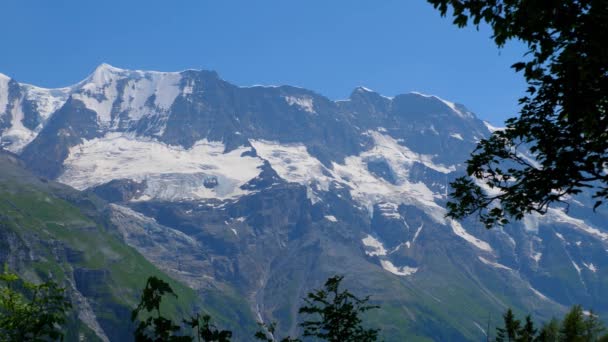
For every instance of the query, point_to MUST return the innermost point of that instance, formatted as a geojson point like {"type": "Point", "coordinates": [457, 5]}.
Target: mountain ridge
{"type": "Point", "coordinates": [270, 190]}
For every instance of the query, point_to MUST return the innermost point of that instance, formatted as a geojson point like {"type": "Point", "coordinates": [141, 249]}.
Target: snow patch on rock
{"type": "Point", "coordinates": [305, 103]}
{"type": "Point", "coordinates": [373, 246]}
{"type": "Point", "coordinates": [461, 232]}
{"type": "Point", "coordinates": [4, 80]}
{"type": "Point", "coordinates": [456, 136]}
{"type": "Point", "coordinates": [494, 264]}
{"type": "Point", "coordinates": [450, 104]}
{"type": "Point", "coordinates": [401, 271]}
{"type": "Point", "coordinates": [331, 218]}
{"type": "Point", "coordinates": [171, 172]}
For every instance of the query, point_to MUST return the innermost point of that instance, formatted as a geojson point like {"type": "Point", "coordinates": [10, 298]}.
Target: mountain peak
{"type": "Point", "coordinates": [362, 92]}
{"type": "Point", "coordinates": [364, 89]}
{"type": "Point", "coordinates": [459, 109]}
{"type": "Point", "coordinates": [105, 67]}
{"type": "Point", "coordinates": [104, 73]}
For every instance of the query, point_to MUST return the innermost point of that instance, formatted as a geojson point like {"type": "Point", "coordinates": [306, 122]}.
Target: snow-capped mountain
{"type": "Point", "coordinates": [274, 188]}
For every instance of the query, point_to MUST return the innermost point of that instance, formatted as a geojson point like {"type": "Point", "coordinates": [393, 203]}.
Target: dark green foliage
{"type": "Point", "coordinates": [549, 332]}
{"type": "Point", "coordinates": [206, 331]}
{"type": "Point", "coordinates": [267, 331]}
{"type": "Point", "coordinates": [511, 329]}
{"type": "Point", "coordinates": [563, 120]}
{"type": "Point", "coordinates": [577, 326]}
{"type": "Point", "coordinates": [337, 314]}
{"type": "Point", "coordinates": [155, 328]}
{"type": "Point", "coordinates": [527, 332]}
{"type": "Point", "coordinates": [30, 312]}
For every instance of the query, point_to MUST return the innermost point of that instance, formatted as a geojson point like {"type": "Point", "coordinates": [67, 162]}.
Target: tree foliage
{"type": "Point", "coordinates": [267, 332]}
{"type": "Point", "coordinates": [336, 317]}
{"type": "Point", "coordinates": [338, 314]}
{"type": "Point", "coordinates": [577, 326]}
{"type": "Point", "coordinates": [154, 327]}
{"type": "Point", "coordinates": [563, 121]}
{"type": "Point", "coordinates": [30, 312]}
{"type": "Point", "coordinates": [206, 331]}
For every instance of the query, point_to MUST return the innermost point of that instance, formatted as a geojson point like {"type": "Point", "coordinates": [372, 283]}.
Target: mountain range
{"type": "Point", "coordinates": [249, 197]}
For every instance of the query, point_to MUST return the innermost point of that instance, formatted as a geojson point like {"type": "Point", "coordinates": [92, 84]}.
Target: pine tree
{"type": "Point", "coordinates": [337, 314]}
{"type": "Point", "coordinates": [549, 332]}
{"type": "Point", "coordinates": [527, 333]}
{"type": "Point", "coordinates": [573, 326]}
{"type": "Point", "coordinates": [511, 328]}
{"type": "Point", "coordinates": [593, 327]}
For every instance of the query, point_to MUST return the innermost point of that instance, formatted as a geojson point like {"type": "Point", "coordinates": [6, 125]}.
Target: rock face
{"type": "Point", "coordinates": [270, 190]}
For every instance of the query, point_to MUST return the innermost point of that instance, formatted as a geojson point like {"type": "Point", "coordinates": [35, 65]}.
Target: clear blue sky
{"type": "Point", "coordinates": [330, 46]}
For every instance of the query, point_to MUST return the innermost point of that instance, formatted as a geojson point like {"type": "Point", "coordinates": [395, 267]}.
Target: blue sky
{"type": "Point", "coordinates": [330, 46]}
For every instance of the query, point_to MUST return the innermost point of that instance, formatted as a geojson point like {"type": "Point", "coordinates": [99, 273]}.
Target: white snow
{"type": "Point", "coordinates": [374, 247]}
{"type": "Point", "coordinates": [460, 231]}
{"type": "Point", "coordinates": [3, 92]}
{"type": "Point", "coordinates": [417, 233]}
{"type": "Point", "coordinates": [450, 104]}
{"type": "Point", "coordinates": [456, 136]}
{"type": "Point", "coordinates": [577, 267]}
{"type": "Point", "coordinates": [47, 101]}
{"type": "Point", "coordinates": [559, 216]}
{"type": "Point", "coordinates": [401, 271]}
{"type": "Point", "coordinates": [167, 89]}
{"type": "Point", "coordinates": [492, 128]}
{"type": "Point", "coordinates": [399, 155]}
{"type": "Point", "coordinates": [389, 210]}
{"type": "Point", "coordinates": [483, 331]}
{"type": "Point", "coordinates": [531, 223]}
{"type": "Point", "coordinates": [538, 293]}
{"type": "Point", "coordinates": [294, 164]}
{"type": "Point", "coordinates": [163, 86]}
{"type": "Point", "coordinates": [365, 89]}
{"type": "Point", "coordinates": [99, 92]}
{"type": "Point", "coordinates": [331, 218]}
{"type": "Point", "coordinates": [591, 267]}
{"type": "Point", "coordinates": [17, 135]}
{"type": "Point", "coordinates": [494, 264]}
{"type": "Point", "coordinates": [171, 172]}
{"type": "Point", "coordinates": [305, 102]}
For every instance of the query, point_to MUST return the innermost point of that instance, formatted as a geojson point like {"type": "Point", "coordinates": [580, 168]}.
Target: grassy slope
{"type": "Point", "coordinates": [70, 238]}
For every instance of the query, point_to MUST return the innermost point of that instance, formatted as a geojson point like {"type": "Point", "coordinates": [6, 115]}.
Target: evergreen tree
{"type": "Point", "coordinates": [573, 326]}
{"type": "Point", "coordinates": [338, 314]}
{"type": "Point", "coordinates": [593, 327]}
{"type": "Point", "coordinates": [510, 330]}
{"type": "Point", "coordinates": [527, 333]}
{"type": "Point", "coordinates": [549, 332]}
